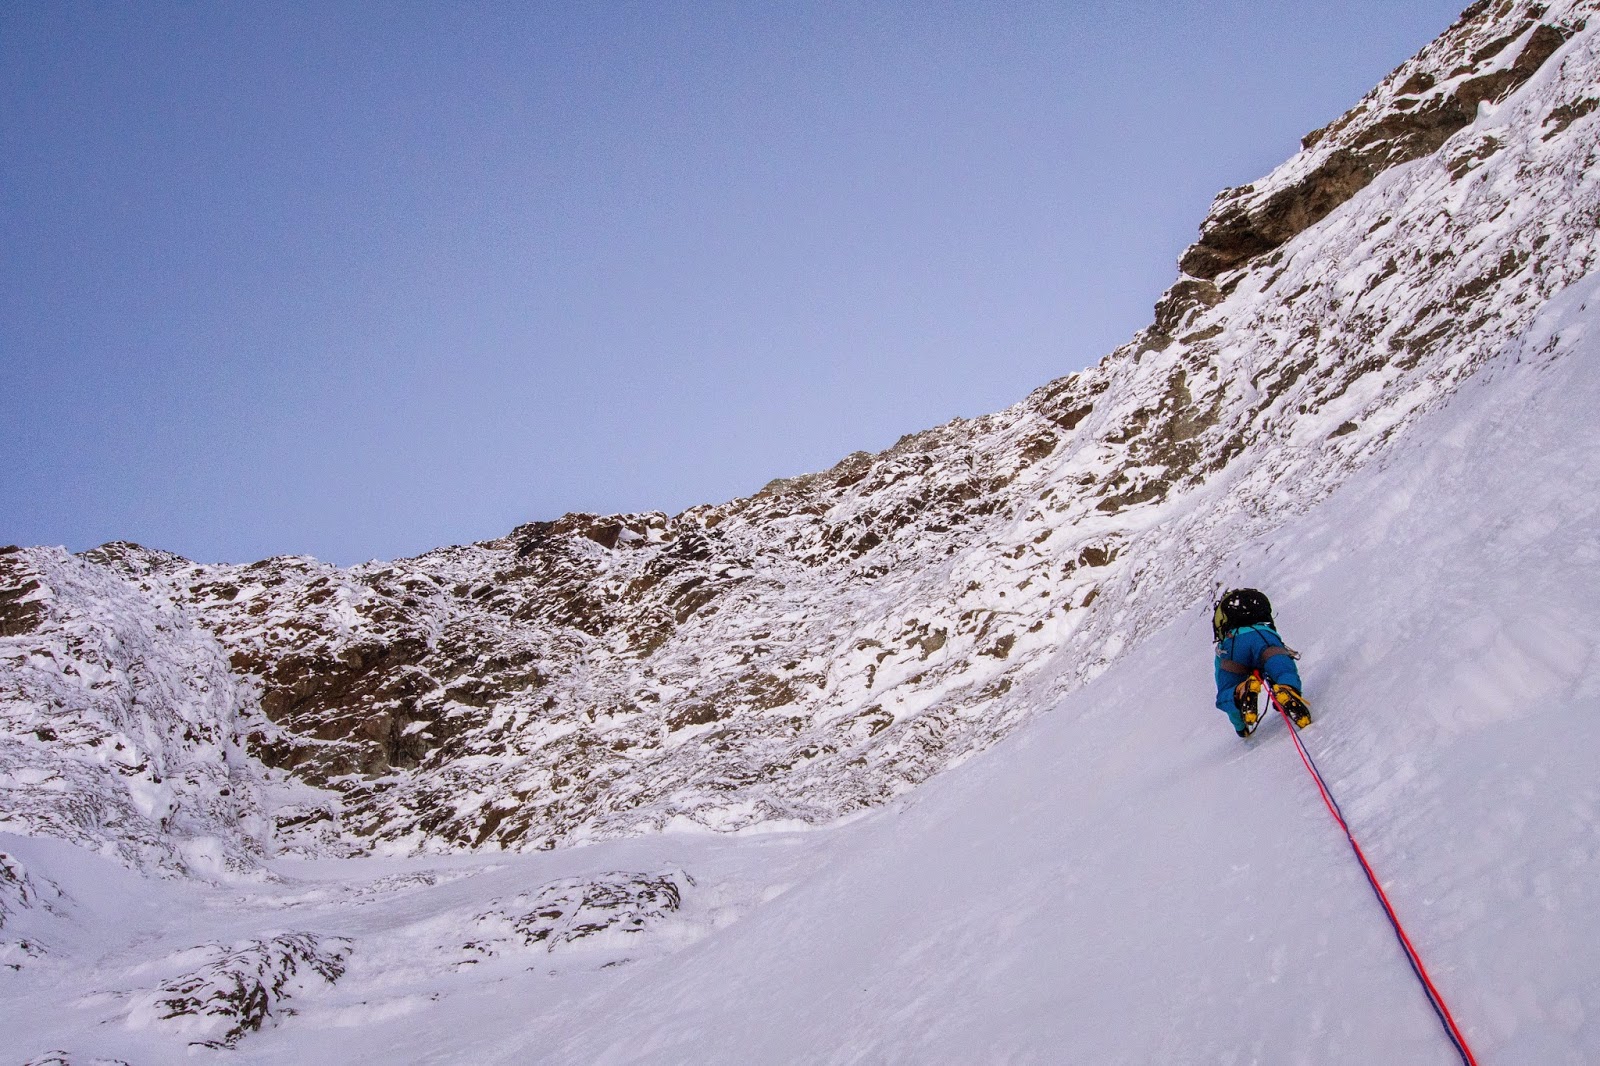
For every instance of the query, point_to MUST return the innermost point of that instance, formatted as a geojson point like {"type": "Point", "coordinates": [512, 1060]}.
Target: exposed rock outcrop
{"type": "Point", "coordinates": [120, 720]}
{"type": "Point", "coordinates": [576, 908]}
{"type": "Point", "coordinates": [241, 988]}
{"type": "Point", "coordinates": [1492, 50]}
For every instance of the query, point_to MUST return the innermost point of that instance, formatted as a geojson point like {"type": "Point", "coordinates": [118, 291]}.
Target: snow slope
{"type": "Point", "coordinates": [1126, 882]}
{"type": "Point", "coordinates": [1382, 414]}
{"type": "Point", "coordinates": [1121, 881]}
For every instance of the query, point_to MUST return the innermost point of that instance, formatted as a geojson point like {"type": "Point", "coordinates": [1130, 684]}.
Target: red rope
{"type": "Point", "coordinates": [1434, 997]}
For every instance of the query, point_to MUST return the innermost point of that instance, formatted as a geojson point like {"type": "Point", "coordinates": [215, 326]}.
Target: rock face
{"type": "Point", "coordinates": [1490, 52]}
{"type": "Point", "coordinates": [830, 642]}
{"type": "Point", "coordinates": [121, 722]}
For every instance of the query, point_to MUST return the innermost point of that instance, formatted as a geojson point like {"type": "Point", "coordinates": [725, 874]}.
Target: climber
{"type": "Point", "coordinates": [1248, 651]}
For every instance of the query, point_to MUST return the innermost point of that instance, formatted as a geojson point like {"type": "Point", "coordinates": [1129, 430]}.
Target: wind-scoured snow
{"type": "Point", "coordinates": [1372, 396]}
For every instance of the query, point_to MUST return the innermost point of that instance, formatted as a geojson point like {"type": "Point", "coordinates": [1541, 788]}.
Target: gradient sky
{"type": "Point", "coordinates": [361, 279]}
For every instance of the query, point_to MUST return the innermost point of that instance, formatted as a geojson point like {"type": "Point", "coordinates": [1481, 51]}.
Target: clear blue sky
{"type": "Point", "coordinates": [361, 279]}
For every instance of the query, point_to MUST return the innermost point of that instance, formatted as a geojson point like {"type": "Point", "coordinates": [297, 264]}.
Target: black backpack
{"type": "Point", "coordinates": [1239, 608]}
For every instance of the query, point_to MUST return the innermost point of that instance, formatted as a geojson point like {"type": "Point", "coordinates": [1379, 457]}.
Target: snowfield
{"type": "Point", "coordinates": [1122, 881]}
{"type": "Point", "coordinates": [915, 760]}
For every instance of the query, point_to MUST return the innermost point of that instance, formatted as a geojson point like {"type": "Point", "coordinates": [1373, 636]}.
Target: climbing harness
{"type": "Point", "coordinates": [1434, 998]}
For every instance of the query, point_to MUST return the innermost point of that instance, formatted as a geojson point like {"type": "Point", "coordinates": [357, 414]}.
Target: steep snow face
{"type": "Point", "coordinates": [1121, 880]}
{"type": "Point", "coordinates": [1385, 418]}
{"type": "Point", "coordinates": [821, 647]}
{"type": "Point", "coordinates": [120, 722]}
{"type": "Point", "coordinates": [1125, 882]}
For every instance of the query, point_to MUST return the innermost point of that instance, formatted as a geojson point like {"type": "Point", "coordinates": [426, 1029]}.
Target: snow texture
{"type": "Point", "coordinates": [121, 721]}
{"type": "Point", "coordinates": [761, 718]}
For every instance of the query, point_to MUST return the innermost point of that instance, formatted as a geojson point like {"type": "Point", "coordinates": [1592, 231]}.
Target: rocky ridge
{"type": "Point", "coordinates": [825, 645]}
{"type": "Point", "coordinates": [1490, 52]}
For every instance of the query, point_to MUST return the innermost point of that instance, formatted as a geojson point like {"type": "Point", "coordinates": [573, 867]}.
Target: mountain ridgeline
{"type": "Point", "coordinates": [830, 642]}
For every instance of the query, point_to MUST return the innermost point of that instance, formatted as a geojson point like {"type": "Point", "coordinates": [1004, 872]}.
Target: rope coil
{"type": "Point", "coordinates": [1435, 999]}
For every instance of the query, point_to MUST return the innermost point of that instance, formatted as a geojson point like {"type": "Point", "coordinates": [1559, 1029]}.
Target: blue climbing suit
{"type": "Point", "coordinates": [1241, 653]}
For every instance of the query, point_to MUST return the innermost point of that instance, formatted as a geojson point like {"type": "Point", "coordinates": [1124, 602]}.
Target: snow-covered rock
{"type": "Point", "coordinates": [827, 644]}
{"type": "Point", "coordinates": [574, 908]}
{"type": "Point", "coordinates": [1381, 411]}
{"type": "Point", "coordinates": [22, 897]}
{"type": "Point", "coordinates": [1489, 53]}
{"type": "Point", "coordinates": [120, 720]}
{"type": "Point", "coordinates": [237, 990]}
